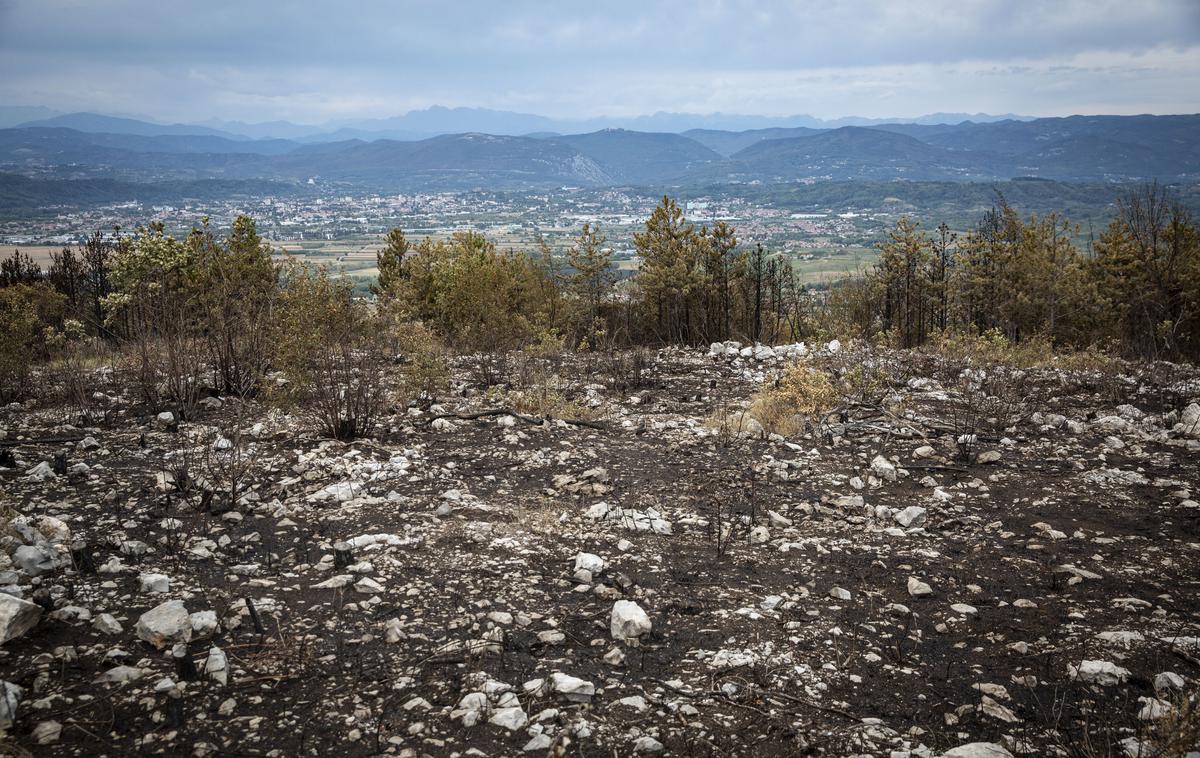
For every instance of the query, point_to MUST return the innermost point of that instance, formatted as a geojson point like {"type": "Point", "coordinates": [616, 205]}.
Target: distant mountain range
{"type": "Point", "coordinates": [436, 120]}
{"type": "Point", "coordinates": [1076, 148]}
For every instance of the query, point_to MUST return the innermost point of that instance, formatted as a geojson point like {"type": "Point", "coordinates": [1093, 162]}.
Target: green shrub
{"type": "Point", "coordinates": [27, 313]}
{"type": "Point", "coordinates": [156, 307]}
{"type": "Point", "coordinates": [331, 350]}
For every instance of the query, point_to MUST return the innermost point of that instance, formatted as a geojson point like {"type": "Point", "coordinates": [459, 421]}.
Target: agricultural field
{"type": "Point", "coordinates": [41, 254]}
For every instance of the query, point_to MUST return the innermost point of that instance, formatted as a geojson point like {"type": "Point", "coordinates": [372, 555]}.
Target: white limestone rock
{"type": "Point", "coordinates": [17, 617]}
{"type": "Point", "coordinates": [1104, 673]}
{"type": "Point", "coordinates": [572, 688]}
{"type": "Point", "coordinates": [912, 516]}
{"type": "Point", "coordinates": [165, 624]}
{"type": "Point", "coordinates": [628, 621]}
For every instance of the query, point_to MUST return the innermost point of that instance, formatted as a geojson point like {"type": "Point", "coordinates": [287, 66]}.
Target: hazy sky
{"type": "Point", "coordinates": [311, 61]}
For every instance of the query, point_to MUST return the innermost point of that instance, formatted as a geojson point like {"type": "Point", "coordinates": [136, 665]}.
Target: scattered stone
{"type": "Point", "coordinates": [10, 700]}
{"type": "Point", "coordinates": [917, 588]}
{"type": "Point", "coordinates": [511, 719]}
{"type": "Point", "coordinates": [105, 623]}
{"type": "Point", "coordinates": [1167, 681]}
{"type": "Point", "coordinates": [156, 583]}
{"type": "Point", "coordinates": [121, 675]}
{"type": "Point", "coordinates": [499, 545]}
{"type": "Point", "coordinates": [647, 744]}
{"type": "Point", "coordinates": [216, 666]}
{"type": "Point", "coordinates": [978, 750]}
{"type": "Point", "coordinates": [883, 468]}
{"type": "Point", "coordinates": [46, 732]}
{"type": "Point", "coordinates": [35, 560]}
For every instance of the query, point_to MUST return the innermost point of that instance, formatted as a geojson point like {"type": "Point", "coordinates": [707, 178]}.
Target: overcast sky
{"type": "Point", "coordinates": [312, 61]}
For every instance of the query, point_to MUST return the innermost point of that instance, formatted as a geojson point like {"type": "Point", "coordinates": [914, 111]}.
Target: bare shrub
{"type": "Point", "coordinates": [1177, 733]}
{"type": "Point", "coordinates": [861, 372]}
{"type": "Point", "coordinates": [623, 370]}
{"type": "Point", "coordinates": [733, 424]}
{"type": "Point", "coordinates": [235, 283]}
{"type": "Point", "coordinates": [74, 370]}
{"type": "Point", "coordinates": [550, 402]}
{"type": "Point", "coordinates": [990, 384]}
{"type": "Point", "coordinates": [226, 463]}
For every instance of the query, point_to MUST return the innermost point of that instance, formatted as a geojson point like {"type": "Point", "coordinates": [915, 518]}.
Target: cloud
{"type": "Point", "coordinates": [332, 60]}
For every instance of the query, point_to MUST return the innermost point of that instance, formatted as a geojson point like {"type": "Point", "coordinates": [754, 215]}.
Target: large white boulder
{"type": "Point", "coordinates": [165, 624]}
{"type": "Point", "coordinates": [912, 516]}
{"type": "Point", "coordinates": [883, 468]}
{"type": "Point", "coordinates": [589, 562]}
{"type": "Point", "coordinates": [35, 560]}
{"type": "Point", "coordinates": [1098, 672]}
{"type": "Point", "coordinates": [16, 617]}
{"type": "Point", "coordinates": [572, 688]}
{"type": "Point", "coordinates": [628, 622]}
{"type": "Point", "coordinates": [917, 588]}
{"type": "Point", "coordinates": [1189, 422]}
{"type": "Point", "coordinates": [512, 718]}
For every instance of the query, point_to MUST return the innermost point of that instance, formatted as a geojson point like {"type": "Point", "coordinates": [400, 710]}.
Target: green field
{"type": "Point", "coordinates": [831, 264]}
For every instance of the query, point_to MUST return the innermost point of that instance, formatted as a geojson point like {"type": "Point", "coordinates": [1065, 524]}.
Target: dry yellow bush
{"type": "Point", "coordinates": [802, 392]}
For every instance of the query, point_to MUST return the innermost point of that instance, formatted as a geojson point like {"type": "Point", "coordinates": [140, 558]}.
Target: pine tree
{"type": "Point", "coordinates": [903, 269]}
{"type": "Point", "coordinates": [981, 262]}
{"type": "Point", "coordinates": [1148, 266]}
{"type": "Point", "coordinates": [592, 278]}
{"type": "Point", "coordinates": [390, 262]}
{"type": "Point", "coordinates": [939, 275]}
{"type": "Point", "coordinates": [668, 277]}
{"type": "Point", "coordinates": [720, 272]}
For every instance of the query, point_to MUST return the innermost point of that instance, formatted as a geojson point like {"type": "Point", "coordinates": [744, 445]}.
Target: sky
{"type": "Point", "coordinates": [313, 61]}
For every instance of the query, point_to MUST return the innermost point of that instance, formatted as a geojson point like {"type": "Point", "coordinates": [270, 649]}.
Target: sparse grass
{"type": "Point", "coordinates": [1034, 352]}
{"type": "Point", "coordinates": [733, 423]}
{"type": "Point", "coordinates": [544, 400]}
{"type": "Point", "coordinates": [537, 516]}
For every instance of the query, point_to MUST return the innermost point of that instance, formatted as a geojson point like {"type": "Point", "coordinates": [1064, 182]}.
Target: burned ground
{"type": "Point", "coordinates": [878, 584]}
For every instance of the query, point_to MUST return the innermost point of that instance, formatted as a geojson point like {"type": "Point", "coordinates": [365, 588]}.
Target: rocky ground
{"type": "Point", "coordinates": [475, 581]}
